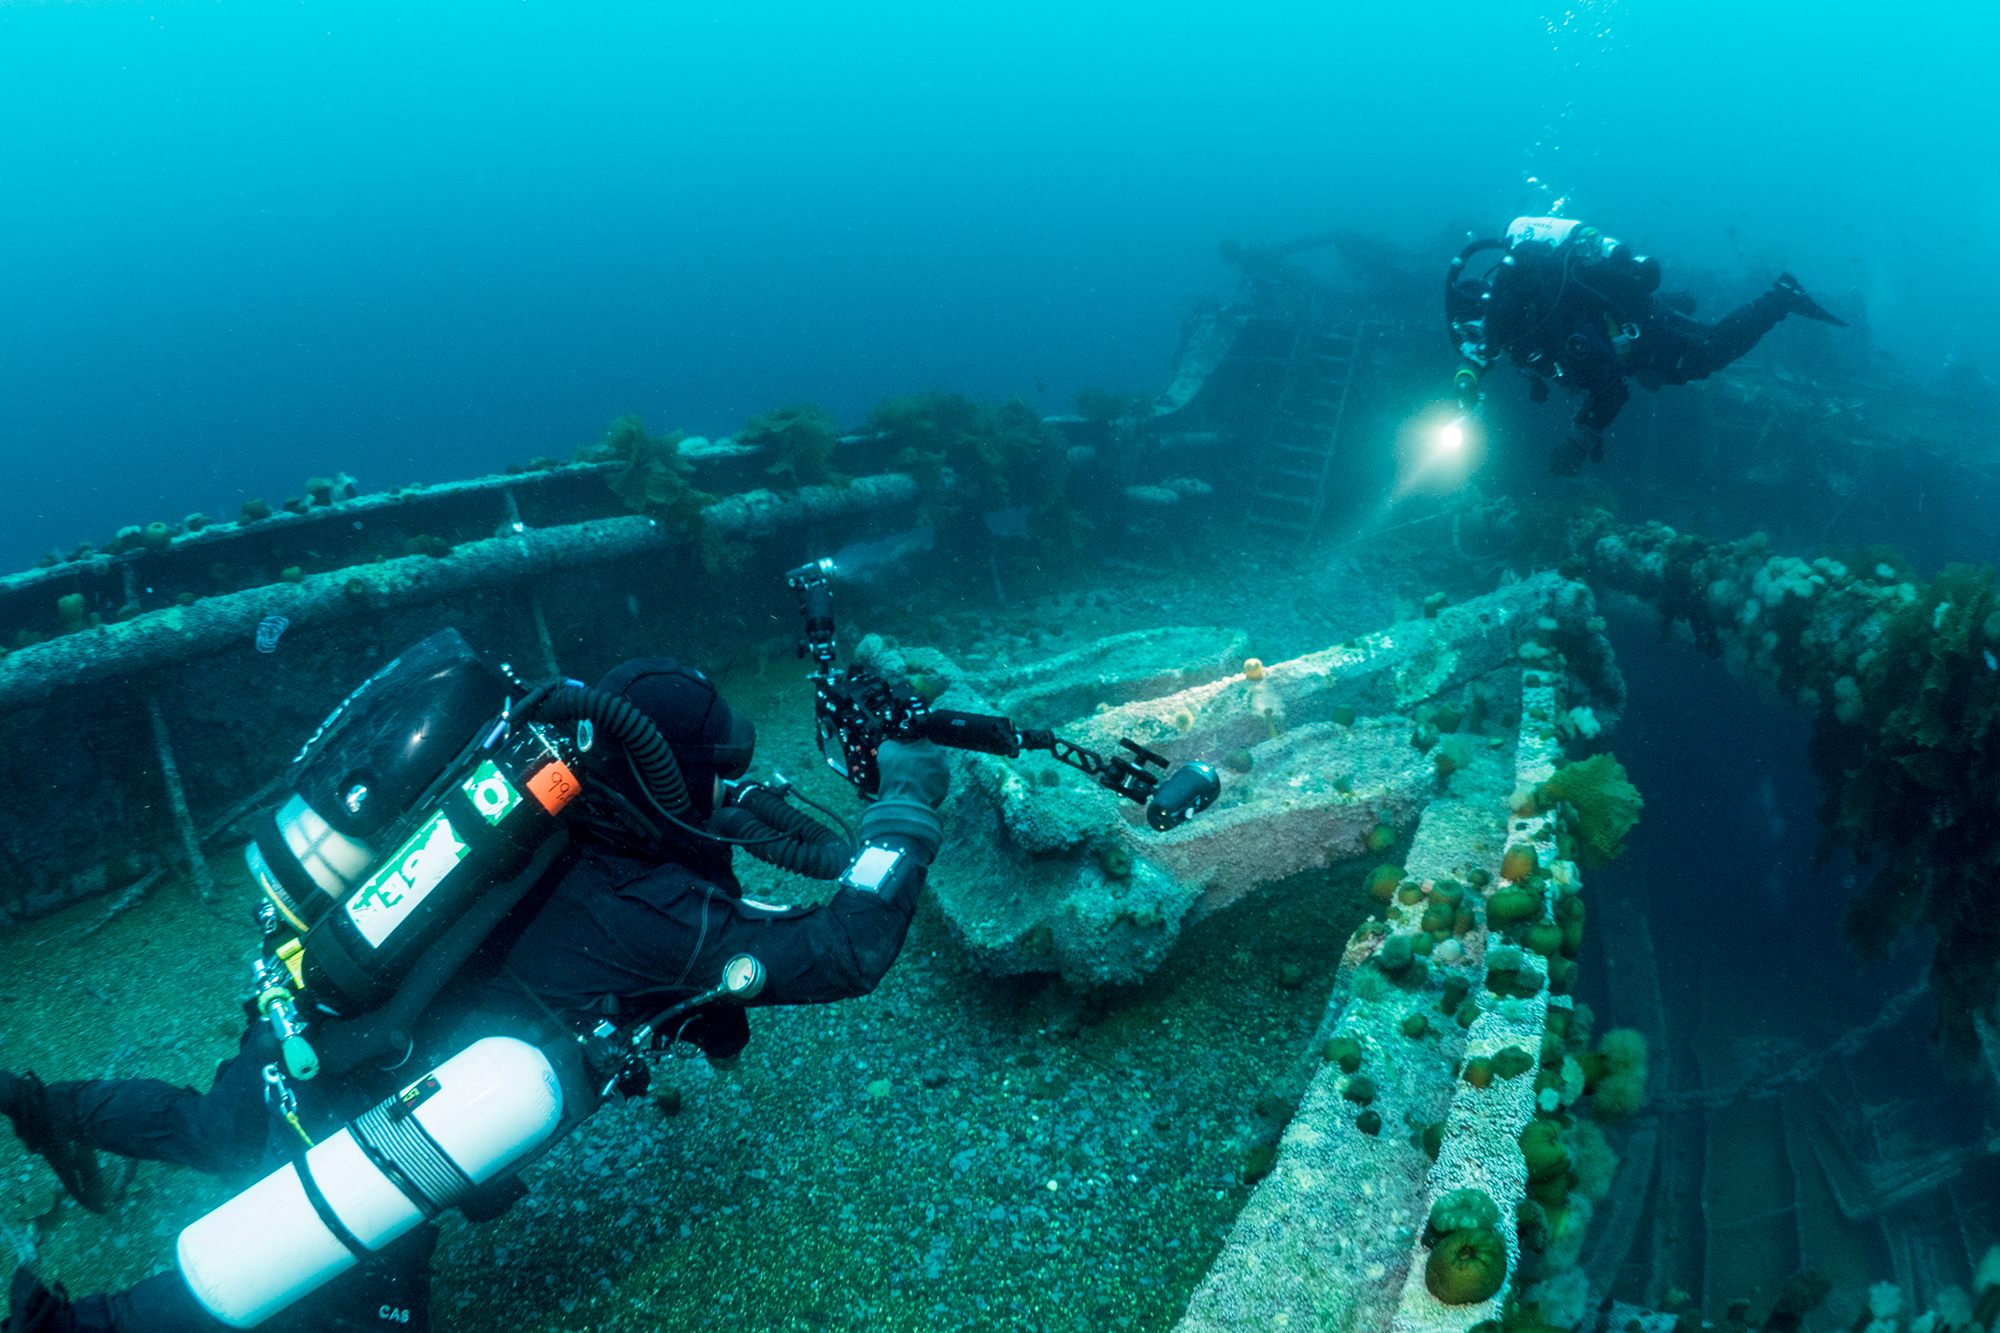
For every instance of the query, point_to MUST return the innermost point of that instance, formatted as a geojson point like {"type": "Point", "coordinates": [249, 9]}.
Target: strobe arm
{"type": "Point", "coordinates": [1130, 778]}
{"type": "Point", "coordinates": [1170, 800]}
{"type": "Point", "coordinates": [855, 710]}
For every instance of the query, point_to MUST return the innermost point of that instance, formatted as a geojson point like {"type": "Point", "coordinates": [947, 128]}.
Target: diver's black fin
{"type": "Point", "coordinates": [1802, 304]}
{"type": "Point", "coordinates": [35, 1308]}
{"type": "Point", "coordinates": [74, 1163]}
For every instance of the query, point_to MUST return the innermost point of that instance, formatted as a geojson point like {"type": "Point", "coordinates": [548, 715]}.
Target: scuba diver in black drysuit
{"type": "Point", "coordinates": [630, 915]}
{"type": "Point", "coordinates": [1570, 304]}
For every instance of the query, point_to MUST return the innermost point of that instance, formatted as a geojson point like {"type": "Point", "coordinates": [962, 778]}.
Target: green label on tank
{"type": "Point", "coordinates": [490, 792]}
{"type": "Point", "coordinates": [393, 892]}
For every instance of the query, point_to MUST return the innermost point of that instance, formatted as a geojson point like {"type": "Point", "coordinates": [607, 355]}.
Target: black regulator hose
{"type": "Point", "coordinates": [783, 835]}
{"type": "Point", "coordinates": [1461, 299]}
{"type": "Point", "coordinates": [759, 820]}
{"type": "Point", "coordinates": [652, 758]}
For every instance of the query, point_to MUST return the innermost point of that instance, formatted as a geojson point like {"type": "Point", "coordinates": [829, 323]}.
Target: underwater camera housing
{"type": "Point", "coordinates": [855, 710]}
{"type": "Point", "coordinates": [420, 792]}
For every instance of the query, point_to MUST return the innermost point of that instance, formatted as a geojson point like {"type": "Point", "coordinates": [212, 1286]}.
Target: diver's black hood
{"type": "Point", "coordinates": [709, 738]}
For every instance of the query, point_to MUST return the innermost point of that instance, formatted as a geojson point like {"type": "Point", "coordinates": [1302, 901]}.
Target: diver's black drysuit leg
{"type": "Point", "coordinates": [394, 1296]}
{"type": "Point", "coordinates": [1675, 349]}
{"type": "Point", "coordinates": [227, 1130]}
{"type": "Point", "coordinates": [394, 1293]}
{"type": "Point", "coordinates": [160, 1304]}
{"type": "Point", "coordinates": [221, 1131]}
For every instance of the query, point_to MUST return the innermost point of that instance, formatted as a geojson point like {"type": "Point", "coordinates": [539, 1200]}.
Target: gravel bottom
{"type": "Point", "coordinates": [950, 1152]}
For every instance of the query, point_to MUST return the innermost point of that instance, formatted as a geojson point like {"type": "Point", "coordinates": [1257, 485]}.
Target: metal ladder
{"type": "Point", "coordinates": [1302, 433]}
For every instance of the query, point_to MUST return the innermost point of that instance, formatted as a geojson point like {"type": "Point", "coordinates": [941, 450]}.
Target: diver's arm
{"type": "Point", "coordinates": [1603, 396]}
{"type": "Point", "coordinates": [1475, 358]}
{"type": "Point", "coordinates": [1503, 322]}
{"type": "Point", "coordinates": [1465, 384]}
{"type": "Point", "coordinates": [837, 950]}
{"type": "Point", "coordinates": [842, 948]}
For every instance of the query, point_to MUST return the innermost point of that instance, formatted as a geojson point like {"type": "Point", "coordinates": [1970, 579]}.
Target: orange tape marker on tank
{"type": "Point", "coordinates": [554, 785]}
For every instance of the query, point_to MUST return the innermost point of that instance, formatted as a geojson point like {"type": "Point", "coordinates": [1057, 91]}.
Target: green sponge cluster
{"type": "Point", "coordinates": [1397, 955]}
{"type": "Point", "coordinates": [1615, 1075]}
{"type": "Point", "coordinates": [1603, 804]}
{"type": "Point", "coordinates": [1383, 881]}
{"type": "Point", "coordinates": [1548, 1161]}
{"type": "Point", "coordinates": [1508, 972]}
{"type": "Point", "coordinates": [1522, 911]}
{"type": "Point", "coordinates": [1514, 903]}
{"type": "Point", "coordinates": [1345, 1052]}
{"type": "Point", "coordinates": [1467, 1266]}
{"type": "Point", "coordinates": [1461, 1210]}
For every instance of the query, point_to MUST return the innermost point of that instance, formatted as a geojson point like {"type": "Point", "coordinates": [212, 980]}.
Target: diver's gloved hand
{"type": "Point", "coordinates": [913, 770]}
{"type": "Point", "coordinates": [914, 782]}
{"type": "Point", "coordinates": [1580, 446]}
{"type": "Point", "coordinates": [1465, 385]}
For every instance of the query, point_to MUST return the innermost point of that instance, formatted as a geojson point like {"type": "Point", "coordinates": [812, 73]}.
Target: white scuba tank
{"type": "Point", "coordinates": [1585, 244]}
{"type": "Point", "coordinates": [461, 1125]}
{"type": "Point", "coordinates": [1548, 231]}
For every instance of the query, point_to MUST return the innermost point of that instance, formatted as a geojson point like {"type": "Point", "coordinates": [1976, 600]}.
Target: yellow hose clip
{"type": "Point", "coordinates": [278, 1095]}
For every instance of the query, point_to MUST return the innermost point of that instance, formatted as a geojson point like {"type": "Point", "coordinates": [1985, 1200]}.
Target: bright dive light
{"type": "Point", "coordinates": [1436, 454]}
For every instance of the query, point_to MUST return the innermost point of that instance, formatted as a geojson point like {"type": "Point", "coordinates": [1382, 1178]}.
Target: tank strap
{"type": "Point", "coordinates": [329, 1219]}
{"type": "Point", "coordinates": [403, 1150]}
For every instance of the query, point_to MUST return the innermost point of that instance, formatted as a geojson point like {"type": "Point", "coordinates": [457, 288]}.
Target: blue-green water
{"type": "Point", "coordinates": [244, 243]}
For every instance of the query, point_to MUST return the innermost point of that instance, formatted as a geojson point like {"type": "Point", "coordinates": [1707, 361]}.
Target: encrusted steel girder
{"type": "Point", "coordinates": [213, 624]}
{"type": "Point", "coordinates": [1333, 1238]}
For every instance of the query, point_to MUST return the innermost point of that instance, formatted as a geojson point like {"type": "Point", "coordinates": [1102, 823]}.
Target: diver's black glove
{"type": "Point", "coordinates": [1465, 385]}
{"type": "Point", "coordinates": [914, 781]}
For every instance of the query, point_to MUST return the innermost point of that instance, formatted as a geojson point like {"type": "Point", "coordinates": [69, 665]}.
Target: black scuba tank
{"type": "Point", "coordinates": [495, 811]}
{"type": "Point", "coordinates": [416, 796]}
{"type": "Point", "coordinates": [373, 758]}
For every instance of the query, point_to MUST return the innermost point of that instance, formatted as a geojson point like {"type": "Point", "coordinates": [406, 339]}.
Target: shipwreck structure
{"type": "Point", "coordinates": [160, 681]}
{"type": "Point", "coordinates": [1330, 755]}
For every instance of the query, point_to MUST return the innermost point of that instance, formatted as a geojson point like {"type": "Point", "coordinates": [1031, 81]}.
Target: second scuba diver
{"type": "Point", "coordinates": [1570, 304]}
